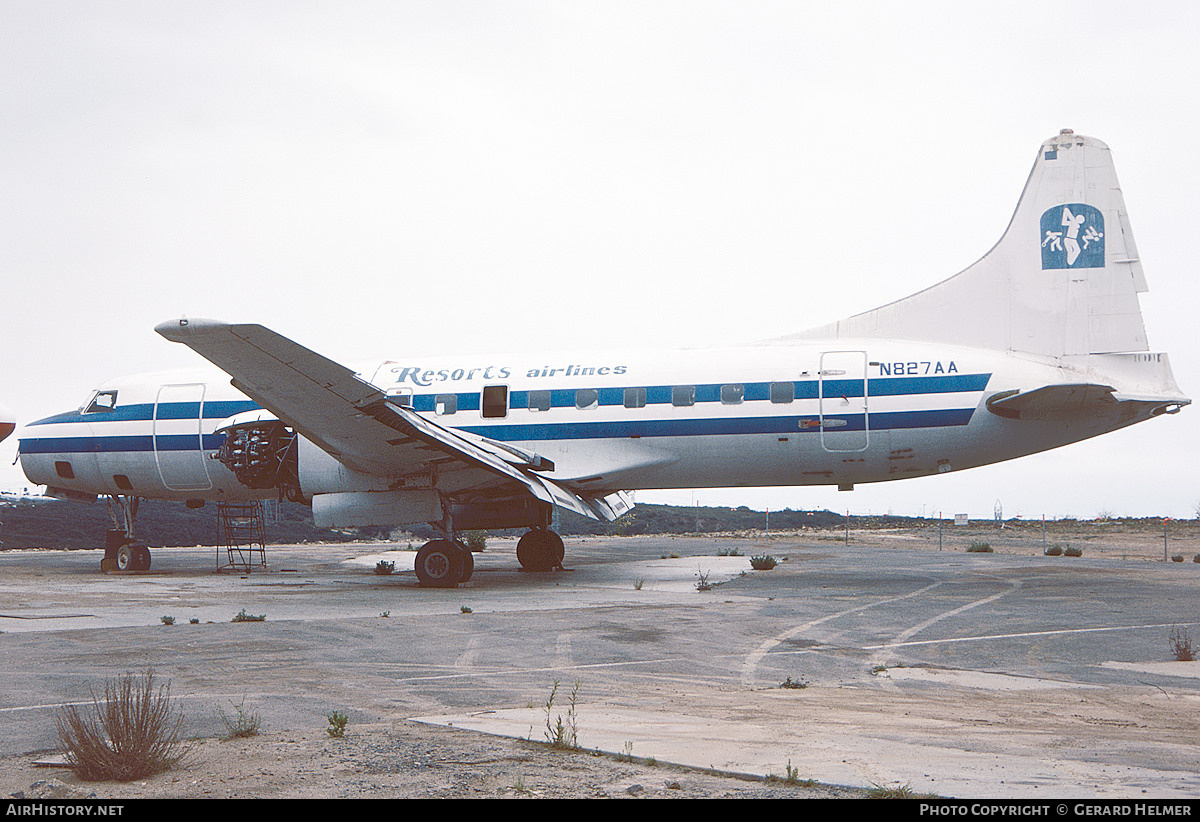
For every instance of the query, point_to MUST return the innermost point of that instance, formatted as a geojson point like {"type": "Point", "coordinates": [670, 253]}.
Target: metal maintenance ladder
{"type": "Point", "coordinates": [241, 530]}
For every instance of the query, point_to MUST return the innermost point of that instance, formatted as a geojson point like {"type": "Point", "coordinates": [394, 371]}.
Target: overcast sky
{"type": "Point", "coordinates": [397, 178]}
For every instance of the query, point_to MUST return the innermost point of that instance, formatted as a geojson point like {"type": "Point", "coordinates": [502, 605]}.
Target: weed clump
{"type": "Point", "coordinates": [562, 733]}
{"type": "Point", "coordinates": [337, 724]}
{"type": "Point", "coordinates": [131, 733]}
{"type": "Point", "coordinates": [242, 616]}
{"type": "Point", "coordinates": [763, 562]}
{"type": "Point", "coordinates": [1181, 645]}
{"type": "Point", "coordinates": [384, 568]}
{"type": "Point", "coordinates": [979, 548]}
{"type": "Point", "coordinates": [242, 724]}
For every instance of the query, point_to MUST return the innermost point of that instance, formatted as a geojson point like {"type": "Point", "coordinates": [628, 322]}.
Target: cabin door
{"type": "Point", "coordinates": [178, 446]}
{"type": "Point", "coordinates": [845, 422]}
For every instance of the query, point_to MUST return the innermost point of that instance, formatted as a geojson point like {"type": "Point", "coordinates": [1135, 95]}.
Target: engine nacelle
{"type": "Point", "coordinates": [261, 451]}
{"type": "Point", "coordinates": [356, 508]}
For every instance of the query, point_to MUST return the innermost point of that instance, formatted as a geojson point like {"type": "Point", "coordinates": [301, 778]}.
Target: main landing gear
{"type": "Point", "coordinates": [444, 563]}
{"type": "Point", "coordinates": [540, 550]}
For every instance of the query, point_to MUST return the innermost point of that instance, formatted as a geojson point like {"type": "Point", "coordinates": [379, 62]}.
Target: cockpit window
{"type": "Point", "coordinates": [102, 401]}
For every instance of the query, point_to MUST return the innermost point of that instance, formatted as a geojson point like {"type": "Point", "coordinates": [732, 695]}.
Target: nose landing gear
{"type": "Point", "coordinates": [121, 551]}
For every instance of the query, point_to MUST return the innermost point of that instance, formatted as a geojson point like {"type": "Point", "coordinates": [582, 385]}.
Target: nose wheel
{"type": "Point", "coordinates": [123, 554]}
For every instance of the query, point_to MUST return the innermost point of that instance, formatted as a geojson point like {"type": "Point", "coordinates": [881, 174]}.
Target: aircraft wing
{"type": "Point", "coordinates": [356, 423]}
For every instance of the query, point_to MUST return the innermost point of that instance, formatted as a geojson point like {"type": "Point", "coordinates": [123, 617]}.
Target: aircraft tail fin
{"type": "Point", "coordinates": [1062, 281]}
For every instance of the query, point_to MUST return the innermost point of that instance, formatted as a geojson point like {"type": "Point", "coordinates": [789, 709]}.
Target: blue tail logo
{"type": "Point", "coordinates": [1072, 237]}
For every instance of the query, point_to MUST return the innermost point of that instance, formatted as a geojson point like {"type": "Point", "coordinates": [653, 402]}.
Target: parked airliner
{"type": "Point", "coordinates": [1038, 344]}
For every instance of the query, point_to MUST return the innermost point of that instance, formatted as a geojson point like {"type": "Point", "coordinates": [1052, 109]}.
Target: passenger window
{"type": "Point", "coordinates": [587, 398]}
{"type": "Point", "coordinates": [495, 401]}
{"type": "Point", "coordinates": [732, 394]}
{"type": "Point", "coordinates": [683, 395]}
{"type": "Point", "coordinates": [445, 403]}
{"type": "Point", "coordinates": [635, 397]}
{"type": "Point", "coordinates": [783, 392]}
{"type": "Point", "coordinates": [400, 396]}
{"type": "Point", "coordinates": [539, 400]}
{"type": "Point", "coordinates": [102, 401]}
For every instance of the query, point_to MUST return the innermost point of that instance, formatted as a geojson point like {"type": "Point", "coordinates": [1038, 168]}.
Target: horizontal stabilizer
{"type": "Point", "coordinates": [1077, 401]}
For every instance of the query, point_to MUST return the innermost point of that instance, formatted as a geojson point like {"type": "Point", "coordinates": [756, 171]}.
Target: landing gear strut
{"type": "Point", "coordinates": [121, 551]}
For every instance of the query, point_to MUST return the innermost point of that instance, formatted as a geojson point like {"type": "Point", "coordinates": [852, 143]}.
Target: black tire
{"type": "Point", "coordinates": [142, 556]}
{"type": "Point", "coordinates": [540, 550]}
{"type": "Point", "coordinates": [557, 550]}
{"type": "Point", "coordinates": [126, 558]}
{"type": "Point", "coordinates": [440, 564]}
{"type": "Point", "coordinates": [468, 562]}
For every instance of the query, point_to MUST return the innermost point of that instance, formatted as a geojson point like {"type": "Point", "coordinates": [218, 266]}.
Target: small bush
{"type": "Point", "coordinates": [763, 562]}
{"type": "Point", "coordinates": [242, 616]}
{"type": "Point", "coordinates": [337, 724]}
{"type": "Point", "coordinates": [979, 548]}
{"type": "Point", "coordinates": [1054, 551]}
{"type": "Point", "coordinates": [242, 724]}
{"type": "Point", "coordinates": [1196, 558]}
{"type": "Point", "coordinates": [131, 733]}
{"type": "Point", "coordinates": [1177, 558]}
{"type": "Point", "coordinates": [383, 567]}
{"type": "Point", "coordinates": [475, 540]}
{"type": "Point", "coordinates": [1072, 551]}
{"type": "Point", "coordinates": [794, 684]}
{"type": "Point", "coordinates": [1181, 645]}
{"type": "Point", "coordinates": [562, 733]}
{"type": "Point", "coordinates": [168, 620]}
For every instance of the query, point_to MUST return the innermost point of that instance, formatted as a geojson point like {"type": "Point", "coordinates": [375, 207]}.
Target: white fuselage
{"type": "Point", "coordinates": [768, 415]}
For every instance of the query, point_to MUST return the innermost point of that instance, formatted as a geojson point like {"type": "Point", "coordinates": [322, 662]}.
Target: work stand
{"type": "Point", "coordinates": [241, 529]}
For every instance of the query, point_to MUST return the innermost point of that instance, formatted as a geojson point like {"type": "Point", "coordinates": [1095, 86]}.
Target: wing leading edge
{"type": "Point", "coordinates": [356, 424]}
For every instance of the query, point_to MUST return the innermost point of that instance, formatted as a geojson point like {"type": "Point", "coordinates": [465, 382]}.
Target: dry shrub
{"type": "Point", "coordinates": [1181, 645]}
{"type": "Point", "coordinates": [133, 732]}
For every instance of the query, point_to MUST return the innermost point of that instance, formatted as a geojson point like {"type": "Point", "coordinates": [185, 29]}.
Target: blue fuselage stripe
{"type": "Point", "coordinates": [512, 431]}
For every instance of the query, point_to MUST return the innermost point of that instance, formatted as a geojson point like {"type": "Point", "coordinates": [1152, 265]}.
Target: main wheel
{"type": "Point", "coordinates": [142, 557]}
{"type": "Point", "coordinates": [540, 550]}
{"type": "Point", "coordinates": [440, 564]}
{"type": "Point", "coordinates": [126, 558]}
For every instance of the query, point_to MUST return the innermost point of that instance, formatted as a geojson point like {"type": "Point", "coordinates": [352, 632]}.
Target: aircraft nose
{"type": "Point", "coordinates": [8, 422]}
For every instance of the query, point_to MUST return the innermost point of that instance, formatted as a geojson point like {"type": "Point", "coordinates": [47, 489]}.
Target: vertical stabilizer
{"type": "Point", "coordinates": [1063, 280]}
